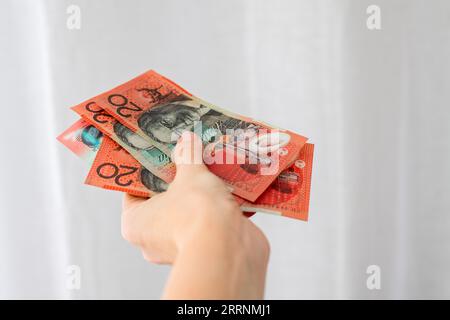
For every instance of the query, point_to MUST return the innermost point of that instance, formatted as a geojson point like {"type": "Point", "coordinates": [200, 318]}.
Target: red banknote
{"type": "Point", "coordinates": [248, 155]}
{"type": "Point", "coordinates": [148, 155]}
{"type": "Point", "coordinates": [83, 139]}
{"type": "Point", "coordinates": [289, 194]}
{"type": "Point", "coordinates": [115, 169]}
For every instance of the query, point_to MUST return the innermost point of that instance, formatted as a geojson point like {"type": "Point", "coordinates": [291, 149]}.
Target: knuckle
{"type": "Point", "coordinates": [125, 232]}
{"type": "Point", "coordinates": [146, 256]}
{"type": "Point", "coordinates": [264, 247]}
{"type": "Point", "coordinates": [151, 258]}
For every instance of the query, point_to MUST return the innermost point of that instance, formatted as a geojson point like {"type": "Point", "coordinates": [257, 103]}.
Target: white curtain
{"type": "Point", "coordinates": [375, 103]}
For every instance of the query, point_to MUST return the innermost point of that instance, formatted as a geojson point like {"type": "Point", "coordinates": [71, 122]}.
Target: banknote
{"type": "Point", "coordinates": [160, 165]}
{"type": "Point", "coordinates": [148, 155]}
{"type": "Point", "coordinates": [83, 139]}
{"type": "Point", "coordinates": [288, 195]}
{"type": "Point", "coordinates": [115, 169]}
{"type": "Point", "coordinates": [248, 155]}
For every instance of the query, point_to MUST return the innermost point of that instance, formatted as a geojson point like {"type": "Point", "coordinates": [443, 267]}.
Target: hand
{"type": "Point", "coordinates": [197, 225]}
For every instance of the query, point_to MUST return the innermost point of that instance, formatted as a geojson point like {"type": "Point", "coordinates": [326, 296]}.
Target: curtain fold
{"type": "Point", "coordinates": [34, 243]}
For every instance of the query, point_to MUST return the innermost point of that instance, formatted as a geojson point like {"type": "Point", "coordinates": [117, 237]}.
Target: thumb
{"type": "Point", "coordinates": [188, 155]}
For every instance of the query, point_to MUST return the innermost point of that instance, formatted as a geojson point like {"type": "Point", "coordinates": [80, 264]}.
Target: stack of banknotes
{"type": "Point", "coordinates": [127, 135]}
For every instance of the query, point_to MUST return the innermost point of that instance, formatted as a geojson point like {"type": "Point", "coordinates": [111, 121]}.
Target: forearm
{"type": "Point", "coordinates": [218, 264]}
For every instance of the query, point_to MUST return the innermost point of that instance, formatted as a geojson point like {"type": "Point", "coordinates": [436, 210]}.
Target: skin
{"type": "Point", "coordinates": [196, 225]}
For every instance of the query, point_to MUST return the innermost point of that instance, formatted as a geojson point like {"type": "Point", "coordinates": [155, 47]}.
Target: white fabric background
{"type": "Point", "coordinates": [375, 103]}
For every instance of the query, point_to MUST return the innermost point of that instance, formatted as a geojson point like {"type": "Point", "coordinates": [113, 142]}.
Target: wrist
{"type": "Point", "coordinates": [215, 230]}
{"type": "Point", "coordinates": [224, 261]}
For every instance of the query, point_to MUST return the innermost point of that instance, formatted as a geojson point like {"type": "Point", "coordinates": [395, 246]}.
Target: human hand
{"type": "Point", "coordinates": [198, 222]}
